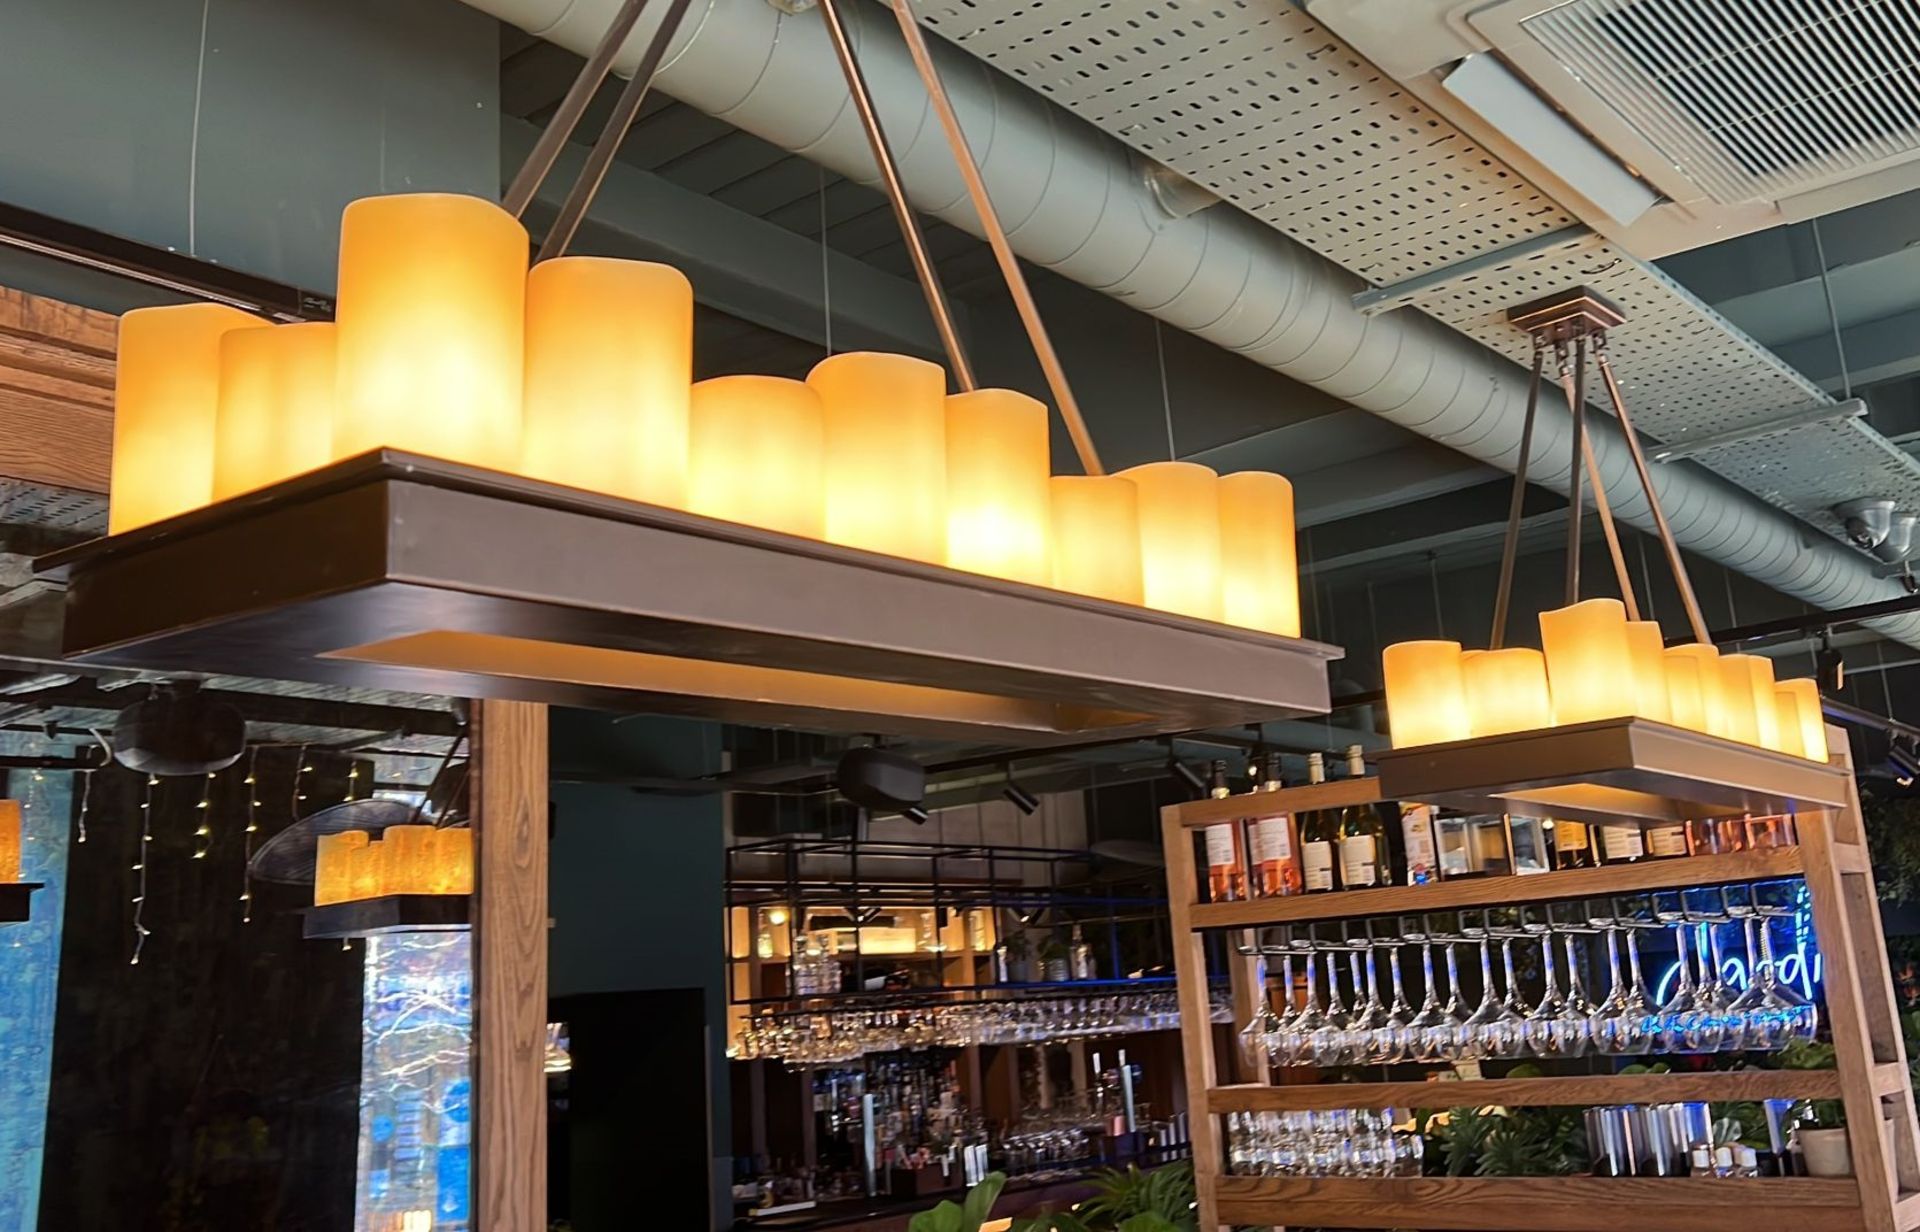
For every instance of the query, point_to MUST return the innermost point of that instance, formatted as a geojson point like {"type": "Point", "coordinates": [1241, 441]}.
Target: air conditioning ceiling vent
{"type": "Point", "coordinates": [1752, 100]}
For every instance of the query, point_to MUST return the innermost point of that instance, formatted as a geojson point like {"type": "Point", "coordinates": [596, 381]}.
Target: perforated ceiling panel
{"type": "Point", "coordinates": [1258, 102]}
{"type": "Point", "coordinates": [1261, 104]}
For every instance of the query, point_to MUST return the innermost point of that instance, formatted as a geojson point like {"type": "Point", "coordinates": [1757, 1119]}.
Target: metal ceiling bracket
{"type": "Point", "coordinates": [909, 223]}
{"type": "Point", "coordinates": [1408, 290]}
{"type": "Point", "coordinates": [1787, 421]}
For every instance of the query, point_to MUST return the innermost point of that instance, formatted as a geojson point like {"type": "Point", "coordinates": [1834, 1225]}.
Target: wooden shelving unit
{"type": "Point", "coordinates": [1871, 1078]}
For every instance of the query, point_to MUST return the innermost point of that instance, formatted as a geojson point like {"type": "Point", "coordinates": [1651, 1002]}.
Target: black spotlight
{"type": "Point", "coordinates": [1904, 760]}
{"type": "Point", "coordinates": [179, 731]}
{"type": "Point", "coordinates": [1019, 796]}
{"type": "Point", "coordinates": [881, 781]}
{"type": "Point", "coordinates": [1187, 774]}
{"type": "Point", "coordinates": [1829, 666]}
{"type": "Point", "coordinates": [915, 814]}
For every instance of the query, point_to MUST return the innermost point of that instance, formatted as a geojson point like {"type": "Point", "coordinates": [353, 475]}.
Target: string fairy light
{"type": "Point", "coordinates": [203, 833]}
{"type": "Point", "coordinates": [140, 930]}
{"type": "Point", "coordinates": [253, 828]}
{"type": "Point", "coordinates": [86, 802]}
{"type": "Point", "coordinates": [298, 783]}
{"type": "Point", "coordinates": [353, 776]}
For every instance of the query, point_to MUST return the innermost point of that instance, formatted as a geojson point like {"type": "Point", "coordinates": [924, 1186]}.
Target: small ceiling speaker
{"type": "Point", "coordinates": [179, 731]}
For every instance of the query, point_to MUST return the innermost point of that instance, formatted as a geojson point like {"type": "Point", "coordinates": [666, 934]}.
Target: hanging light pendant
{"type": "Point", "coordinates": [1259, 566]}
{"type": "Point", "coordinates": [275, 417]}
{"type": "Point", "coordinates": [166, 398]}
{"type": "Point", "coordinates": [1179, 537]}
{"type": "Point", "coordinates": [1506, 691]}
{"type": "Point", "coordinates": [1096, 536]}
{"type": "Point", "coordinates": [1589, 662]}
{"type": "Point", "coordinates": [1807, 716]}
{"type": "Point", "coordinates": [886, 459]}
{"type": "Point", "coordinates": [757, 454]}
{"type": "Point", "coordinates": [609, 365]}
{"type": "Point", "coordinates": [432, 320]}
{"type": "Point", "coordinates": [997, 470]}
{"type": "Point", "coordinates": [1696, 693]}
{"type": "Point", "coordinates": [1426, 693]}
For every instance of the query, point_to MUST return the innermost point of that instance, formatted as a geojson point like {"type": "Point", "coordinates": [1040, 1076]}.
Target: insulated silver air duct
{"type": "Point", "coordinates": [1073, 201]}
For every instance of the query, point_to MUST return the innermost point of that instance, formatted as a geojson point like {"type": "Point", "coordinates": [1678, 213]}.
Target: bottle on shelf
{"type": "Point", "coordinates": [1274, 843]}
{"type": "Point", "coordinates": [1572, 844]}
{"type": "Point", "coordinates": [1622, 843]}
{"type": "Point", "coordinates": [1490, 844]}
{"type": "Point", "coordinates": [1080, 956]}
{"type": "Point", "coordinates": [1768, 832]}
{"type": "Point", "coordinates": [1363, 836]}
{"type": "Point", "coordinates": [1453, 856]}
{"type": "Point", "coordinates": [1666, 842]}
{"type": "Point", "coordinates": [1422, 860]}
{"type": "Point", "coordinates": [1318, 836]}
{"type": "Point", "coordinates": [1226, 862]}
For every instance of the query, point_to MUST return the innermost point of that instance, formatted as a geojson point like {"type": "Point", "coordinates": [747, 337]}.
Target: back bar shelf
{"type": "Point", "coordinates": [1871, 1078]}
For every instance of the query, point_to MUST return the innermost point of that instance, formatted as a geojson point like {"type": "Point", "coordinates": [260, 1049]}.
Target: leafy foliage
{"type": "Point", "coordinates": [1509, 1142]}
{"type": "Point", "coordinates": [1893, 839]}
{"type": "Point", "coordinates": [965, 1216]}
{"type": "Point", "coordinates": [1128, 1201]}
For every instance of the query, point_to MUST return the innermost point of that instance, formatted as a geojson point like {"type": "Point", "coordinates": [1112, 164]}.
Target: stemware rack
{"type": "Point", "coordinates": [1871, 1076]}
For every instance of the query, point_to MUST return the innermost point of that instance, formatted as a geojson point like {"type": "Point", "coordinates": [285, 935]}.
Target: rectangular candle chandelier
{"type": "Point", "coordinates": [1601, 668]}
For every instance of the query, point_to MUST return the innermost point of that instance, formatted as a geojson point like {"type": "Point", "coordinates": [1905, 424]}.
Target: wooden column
{"type": "Point", "coordinates": [509, 786]}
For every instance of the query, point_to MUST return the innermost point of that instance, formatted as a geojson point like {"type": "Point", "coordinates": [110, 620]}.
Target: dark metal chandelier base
{"type": "Point", "coordinates": [16, 900]}
{"type": "Point", "coordinates": [1611, 770]}
{"type": "Point", "coordinates": [389, 913]}
{"type": "Point", "coordinates": [397, 571]}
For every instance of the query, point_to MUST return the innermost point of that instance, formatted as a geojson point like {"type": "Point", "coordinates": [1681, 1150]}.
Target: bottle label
{"type": "Point", "coordinates": [1220, 845]}
{"type": "Point", "coordinates": [1359, 861]}
{"type": "Point", "coordinates": [1316, 864]}
{"type": "Point", "coordinates": [1571, 835]}
{"type": "Point", "coordinates": [1416, 827]}
{"type": "Point", "coordinates": [1623, 842]}
{"type": "Point", "coordinates": [1271, 842]}
{"type": "Point", "coordinates": [1668, 841]}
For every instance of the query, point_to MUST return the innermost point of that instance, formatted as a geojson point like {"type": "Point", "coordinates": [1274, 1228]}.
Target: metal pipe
{"type": "Point", "coordinates": [1584, 459]}
{"type": "Point", "coordinates": [910, 232]}
{"type": "Point", "coordinates": [1510, 546]}
{"type": "Point", "coordinates": [540, 159]}
{"type": "Point", "coordinates": [1674, 559]}
{"type": "Point", "coordinates": [573, 211]}
{"type": "Point", "coordinates": [996, 237]}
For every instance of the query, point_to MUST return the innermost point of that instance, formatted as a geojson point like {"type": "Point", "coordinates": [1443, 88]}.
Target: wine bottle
{"type": "Point", "coordinates": [1317, 836]}
{"type": "Point", "coordinates": [1226, 862]}
{"type": "Point", "coordinates": [1622, 844]}
{"type": "Point", "coordinates": [1274, 843]}
{"type": "Point", "coordinates": [1416, 836]}
{"type": "Point", "coordinates": [1572, 844]}
{"type": "Point", "coordinates": [1363, 836]}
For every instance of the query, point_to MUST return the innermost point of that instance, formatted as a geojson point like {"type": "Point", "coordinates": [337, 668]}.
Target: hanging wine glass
{"type": "Point", "coordinates": [1392, 1039]}
{"type": "Point", "coordinates": [1553, 1028]}
{"type": "Point", "coordinates": [1279, 1041]}
{"type": "Point", "coordinates": [1431, 1029]}
{"type": "Point", "coordinates": [1327, 1044]}
{"type": "Point", "coordinates": [1368, 1016]}
{"type": "Point", "coordinates": [1492, 1030]}
{"type": "Point", "coordinates": [1618, 1027]}
{"type": "Point", "coordinates": [1311, 1020]}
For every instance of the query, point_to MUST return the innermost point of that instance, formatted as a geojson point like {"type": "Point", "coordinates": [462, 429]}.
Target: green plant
{"type": "Point", "coordinates": [1509, 1142]}
{"type": "Point", "coordinates": [1893, 841]}
{"type": "Point", "coordinates": [965, 1216]}
{"type": "Point", "coordinates": [1129, 1200]}
{"type": "Point", "coordinates": [1812, 1054]}
{"type": "Point", "coordinates": [1053, 950]}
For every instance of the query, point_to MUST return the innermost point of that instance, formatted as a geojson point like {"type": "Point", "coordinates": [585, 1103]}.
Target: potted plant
{"type": "Point", "coordinates": [1053, 961]}
{"type": "Point", "coordinates": [1016, 955]}
{"type": "Point", "coordinates": [1820, 1125]}
{"type": "Point", "coordinates": [966, 1215]}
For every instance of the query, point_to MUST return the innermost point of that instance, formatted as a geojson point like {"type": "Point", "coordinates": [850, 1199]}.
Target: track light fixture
{"type": "Point", "coordinates": [1904, 760]}
{"type": "Point", "coordinates": [914, 813]}
{"type": "Point", "coordinates": [1186, 774]}
{"type": "Point", "coordinates": [1829, 665]}
{"type": "Point", "coordinates": [1020, 797]}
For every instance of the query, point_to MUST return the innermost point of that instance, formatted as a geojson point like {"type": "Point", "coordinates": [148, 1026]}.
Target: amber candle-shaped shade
{"type": "Point", "coordinates": [1648, 649]}
{"type": "Point", "coordinates": [1096, 536]}
{"type": "Point", "coordinates": [10, 828]}
{"type": "Point", "coordinates": [1259, 566]}
{"type": "Point", "coordinates": [1807, 716]}
{"type": "Point", "coordinates": [1426, 693]}
{"type": "Point", "coordinates": [1179, 537]}
{"type": "Point", "coordinates": [453, 861]}
{"type": "Point", "coordinates": [333, 866]}
{"type": "Point", "coordinates": [432, 316]}
{"type": "Point", "coordinates": [757, 453]}
{"type": "Point", "coordinates": [1506, 691]}
{"type": "Point", "coordinates": [609, 364]}
{"type": "Point", "coordinates": [276, 405]}
{"type": "Point", "coordinates": [1590, 666]}
{"type": "Point", "coordinates": [1738, 695]}
{"type": "Point", "coordinates": [166, 401]}
{"type": "Point", "coordinates": [410, 857]}
{"type": "Point", "coordinates": [997, 471]}
{"type": "Point", "coordinates": [367, 871]}
{"type": "Point", "coordinates": [1695, 693]}
{"type": "Point", "coordinates": [886, 459]}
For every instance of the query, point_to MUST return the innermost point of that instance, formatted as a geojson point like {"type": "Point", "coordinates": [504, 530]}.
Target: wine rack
{"type": "Point", "coordinates": [1871, 1077]}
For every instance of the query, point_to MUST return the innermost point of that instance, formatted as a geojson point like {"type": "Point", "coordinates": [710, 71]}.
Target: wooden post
{"type": "Point", "coordinates": [1196, 1013]}
{"type": "Point", "coordinates": [509, 788]}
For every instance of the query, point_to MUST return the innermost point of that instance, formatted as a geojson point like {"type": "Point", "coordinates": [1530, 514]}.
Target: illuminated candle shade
{"type": "Point", "coordinates": [1758, 674]}
{"type": "Point", "coordinates": [276, 405]}
{"type": "Point", "coordinates": [1807, 714]}
{"type": "Point", "coordinates": [10, 827]}
{"type": "Point", "coordinates": [1589, 662]}
{"type": "Point", "coordinates": [1648, 649]}
{"type": "Point", "coordinates": [1179, 537]}
{"type": "Point", "coordinates": [454, 861]}
{"type": "Point", "coordinates": [1695, 692]}
{"type": "Point", "coordinates": [166, 396]}
{"type": "Point", "coordinates": [998, 465]}
{"type": "Point", "coordinates": [1738, 696]}
{"type": "Point", "coordinates": [334, 866]}
{"type": "Point", "coordinates": [1096, 536]}
{"type": "Point", "coordinates": [1506, 691]}
{"type": "Point", "coordinates": [1259, 569]}
{"type": "Point", "coordinates": [758, 452]}
{"type": "Point", "coordinates": [410, 859]}
{"type": "Point", "coordinates": [1426, 693]}
{"type": "Point", "coordinates": [886, 459]}
{"type": "Point", "coordinates": [432, 314]}
{"type": "Point", "coordinates": [367, 871]}
{"type": "Point", "coordinates": [609, 363]}
{"type": "Point", "coordinates": [1787, 714]}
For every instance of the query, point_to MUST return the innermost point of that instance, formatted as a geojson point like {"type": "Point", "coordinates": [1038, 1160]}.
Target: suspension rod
{"type": "Point", "coordinates": [1510, 546]}
{"type": "Point", "coordinates": [539, 161]}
